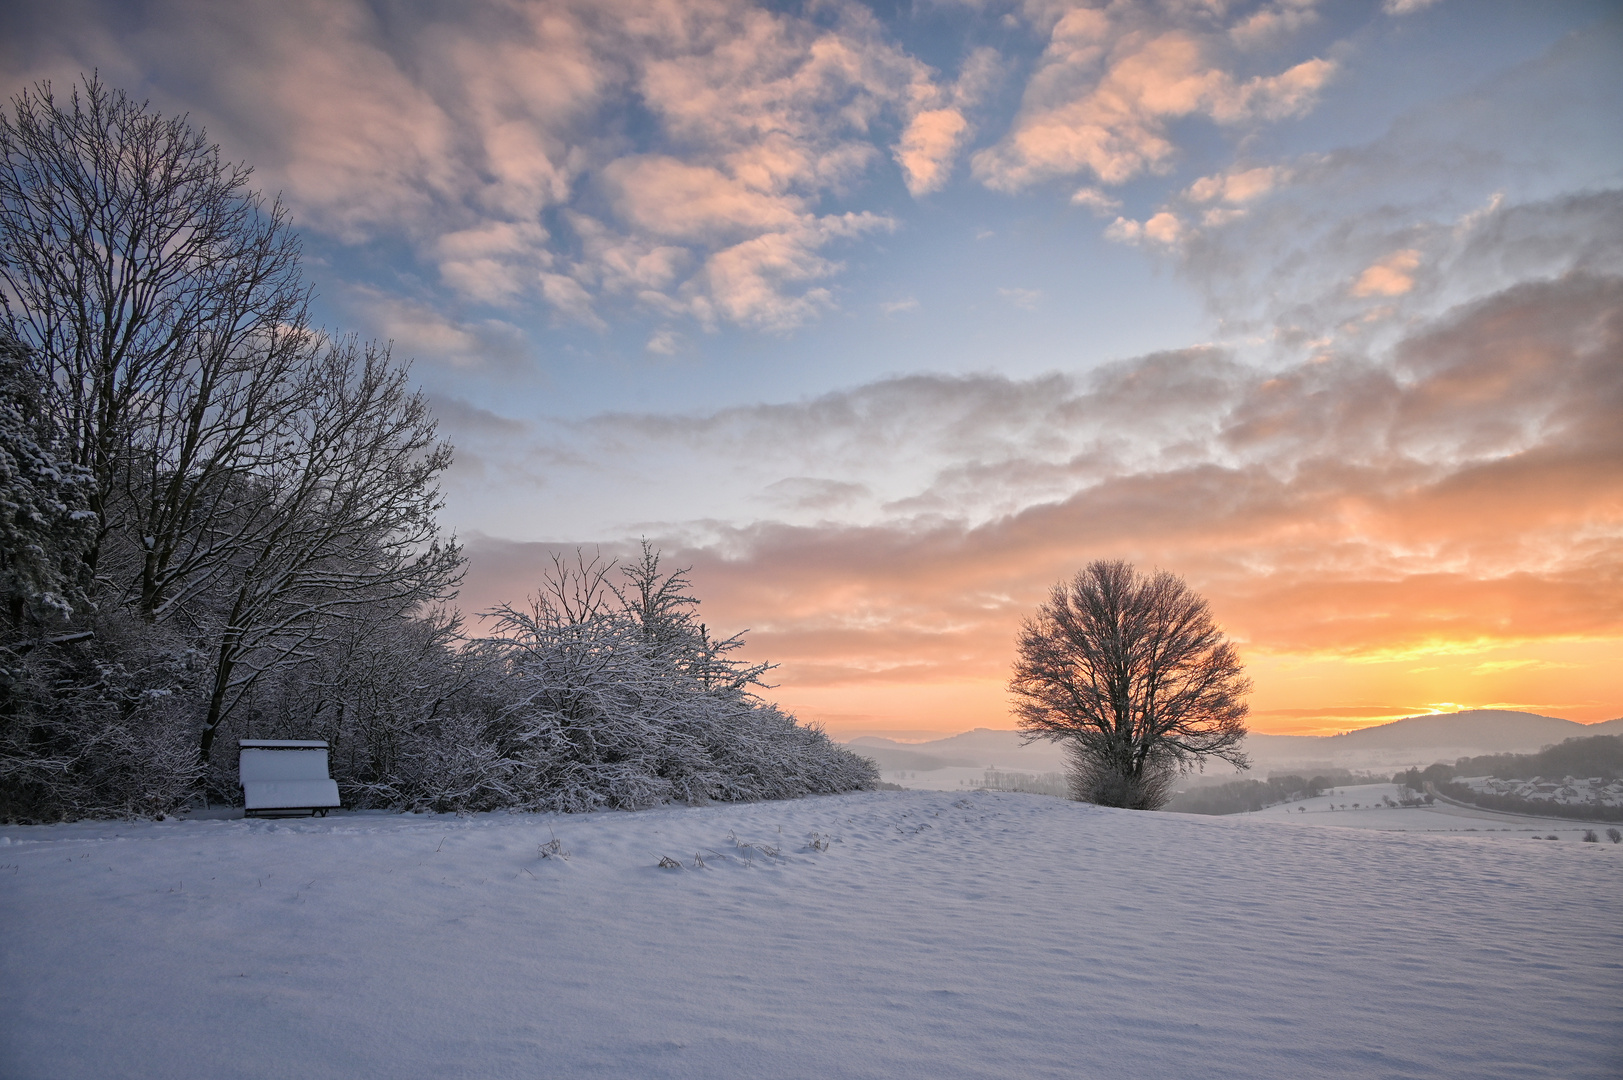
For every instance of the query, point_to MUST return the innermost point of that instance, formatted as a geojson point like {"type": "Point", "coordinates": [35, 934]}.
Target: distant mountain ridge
{"type": "Point", "coordinates": [1483, 723]}
{"type": "Point", "coordinates": [1438, 736]}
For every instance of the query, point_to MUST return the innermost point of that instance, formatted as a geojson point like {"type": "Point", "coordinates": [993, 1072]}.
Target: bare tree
{"type": "Point", "coordinates": [1131, 675]}
{"type": "Point", "coordinates": [163, 301]}
{"type": "Point", "coordinates": [340, 526]}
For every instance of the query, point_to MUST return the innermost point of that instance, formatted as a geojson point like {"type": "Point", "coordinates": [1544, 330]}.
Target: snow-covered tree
{"type": "Point", "coordinates": [341, 527]}
{"type": "Point", "coordinates": [95, 709]}
{"type": "Point", "coordinates": [46, 526]}
{"type": "Point", "coordinates": [253, 483]}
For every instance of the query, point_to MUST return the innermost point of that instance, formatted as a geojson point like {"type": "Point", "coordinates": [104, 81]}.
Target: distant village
{"type": "Point", "coordinates": [1568, 791]}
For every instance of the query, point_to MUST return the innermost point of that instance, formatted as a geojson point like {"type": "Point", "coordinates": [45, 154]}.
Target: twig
{"type": "Point", "coordinates": [554, 848]}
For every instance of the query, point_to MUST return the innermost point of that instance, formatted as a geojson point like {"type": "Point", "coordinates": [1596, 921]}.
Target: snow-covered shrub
{"type": "Point", "coordinates": [101, 724]}
{"type": "Point", "coordinates": [411, 716]}
{"type": "Point", "coordinates": [597, 695]}
{"type": "Point", "coordinates": [448, 766]}
{"type": "Point", "coordinates": [623, 699]}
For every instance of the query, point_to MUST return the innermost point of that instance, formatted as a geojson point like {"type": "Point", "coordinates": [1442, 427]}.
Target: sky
{"type": "Point", "coordinates": [885, 318]}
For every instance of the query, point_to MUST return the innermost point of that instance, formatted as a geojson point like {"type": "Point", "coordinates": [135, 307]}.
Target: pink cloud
{"type": "Point", "coordinates": [1391, 276]}
{"type": "Point", "coordinates": [456, 135]}
{"type": "Point", "coordinates": [1110, 83]}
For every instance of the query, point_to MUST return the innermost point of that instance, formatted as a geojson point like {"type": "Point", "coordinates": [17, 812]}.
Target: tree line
{"type": "Point", "coordinates": [1245, 796]}
{"type": "Point", "coordinates": [1582, 756]}
{"type": "Point", "coordinates": [217, 519]}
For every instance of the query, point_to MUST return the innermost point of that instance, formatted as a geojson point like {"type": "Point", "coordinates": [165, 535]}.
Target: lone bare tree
{"type": "Point", "coordinates": [1131, 675]}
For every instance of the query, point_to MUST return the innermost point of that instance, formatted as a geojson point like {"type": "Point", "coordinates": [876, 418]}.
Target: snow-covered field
{"type": "Point", "coordinates": [934, 935]}
{"type": "Point", "coordinates": [951, 778]}
{"type": "Point", "coordinates": [1365, 807]}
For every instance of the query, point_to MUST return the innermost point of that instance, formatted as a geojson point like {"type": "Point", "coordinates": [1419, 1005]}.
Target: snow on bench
{"type": "Point", "coordinates": [282, 776]}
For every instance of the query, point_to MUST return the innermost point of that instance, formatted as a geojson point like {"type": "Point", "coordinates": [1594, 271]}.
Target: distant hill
{"type": "Point", "coordinates": [1478, 727]}
{"type": "Point", "coordinates": [981, 748]}
{"type": "Point", "coordinates": [890, 755]}
{"type": "Point", "coordinates": [1426, 739]}
{"type": "Point", "coordinates": [1414, 740]}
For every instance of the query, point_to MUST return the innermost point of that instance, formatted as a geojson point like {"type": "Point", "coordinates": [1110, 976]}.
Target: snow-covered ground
{"type": "Point", "coordinates": [933, 935]}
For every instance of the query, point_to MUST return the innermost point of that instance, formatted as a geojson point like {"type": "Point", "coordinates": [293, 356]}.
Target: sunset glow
{"type": "Point", "coordinates": [886, 318]}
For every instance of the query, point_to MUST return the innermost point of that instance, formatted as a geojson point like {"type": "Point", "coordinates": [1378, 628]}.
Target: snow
{"type": "Point", "coordinates": [893, 934]}
{"type": "Point", "coordinates": [285, 774]}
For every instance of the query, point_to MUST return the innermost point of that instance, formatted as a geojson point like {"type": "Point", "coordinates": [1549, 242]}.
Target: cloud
{"type": "Point", "coordinates": [458, 416]}
{"type": "Point", "coordinates": [1095, 200]}
{"type": "Point", "coordinates": [753, 281]}
{"type": "Point", "coordinates": [418, 329]}
{"type": "Point", "coordinates": [938, 126]}
{"type": "Point", "coordinates": [928, 146]}
{"type": "Point", "coordinates": [1457, 494]}
{"type": "Point", "coordinates": [771, 114]}
{"type": "Point", "coordinates": [1272, 22]}
{"type": "Point", "coordinates": [759, 247]}
{"type": "Point", "coordinates": [1496, 667]}
{"type": "Point", "coordinates": [569, 298]}
{"type": "Point", "coordinates": [1111, 82]}
{"type": "Point", "coordinates": [665, 342]}
{"type": "Point", "coordinates": [1025, 299]}
{"type": "Point", "coordinates": [1163, 228]}
{"type": "Point", "coordinates": [491, 262]}
{"type": "Point", "coordinates": [496, 145]}
{"type": "Point", "coordinates": [1405, 7]}
{"type": "Point", "coordinates": [1462, 187]}
{"type": "Point", "coordinates": [673, 199]}
{"type": "Point", "coordinates": [1237, 185]}
{"type": "Point", "coordinates": [814, 493]}
{"type": "Point", "coordinates": [1391, 276]}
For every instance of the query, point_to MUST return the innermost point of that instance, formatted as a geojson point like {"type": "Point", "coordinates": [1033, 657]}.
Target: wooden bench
{"type": "Point", "coordinates": [285, 776]}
